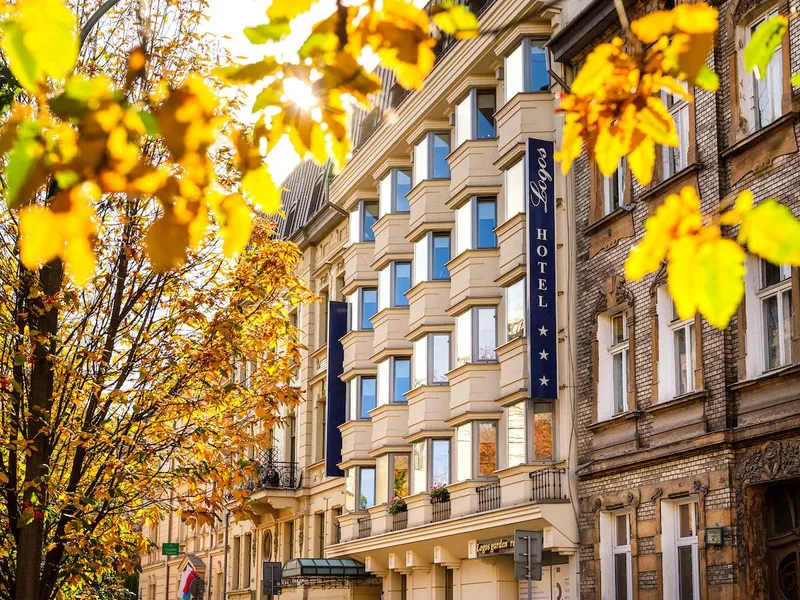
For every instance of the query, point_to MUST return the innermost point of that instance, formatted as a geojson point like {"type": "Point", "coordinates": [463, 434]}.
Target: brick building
{"type": "Point", "coordinates": [688, 439]}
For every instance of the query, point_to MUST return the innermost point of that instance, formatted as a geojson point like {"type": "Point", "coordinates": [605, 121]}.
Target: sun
{"type": "Point", "coordinates": [300, 93]}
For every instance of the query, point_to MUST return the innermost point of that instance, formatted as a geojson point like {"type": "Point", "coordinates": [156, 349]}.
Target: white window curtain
{"type": "Point", "coordinates": [385, 195]}
{"type": "Point", "coordinates": [514, 183]}
{"type": "Point", "coordinates": [464, 452]}
{"type": "Point", "coordinates": [384, 382]}
{"type": "Point", "coordinates": [464, 120]}
{"type": "Point", "coordinates": [420, 368]}
{"type": "Point", "coordinates": [420, 171]}
{"type": "Point", "coordinates": [384, 287]}
{"type": "Point", "coordinates": [355, 226]}
{"type": "Point", "coordinates": [421, 260]}
{"type": "Point", "coordinates": [464, 227]}
{"type": "Point", "coordinates": [513, 73]}
{"type": "Point", "coordinates": [464, 338]}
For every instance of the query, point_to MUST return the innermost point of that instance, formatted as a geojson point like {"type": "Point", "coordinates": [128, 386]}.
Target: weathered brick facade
{"type": "Point", "coordinates": [743, 429]}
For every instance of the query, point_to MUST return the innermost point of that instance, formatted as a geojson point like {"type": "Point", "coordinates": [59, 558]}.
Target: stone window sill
{"type": "Point", "coordinates": [757, 136]}
{"type": "Point", "coordinates": [605, 221]}
{"type": "Point", "coordinates": [666, 184]}
{"type": "Point", "coordinates": [678, 401]}
{"type": "Point", "coordinates": [766, 378]}
{"type": "Point", "coordinates": [615, 420]}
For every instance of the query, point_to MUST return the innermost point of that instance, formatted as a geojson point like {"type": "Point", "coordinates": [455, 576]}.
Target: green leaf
{"type": "Point", "coordinates": [273, 31]}
{"type": "Point", "coordinates": [763, 43]}
{"type": "Point", "coordinates": [22, 162]}
{"type": "Point", "coordinates": [707, 79]}
{"type": "Point", "coordinates": [795, 79]}
{"type": "Point", "coordinates": [269, 96]}
{"type": "Point", "coordinates": [771, 231]}
{"type": "Point", "coordinates": [249, 73]}
{"type": "Point", "coordinates": [40, 41]}
{"type": "Point", "coordinates": [150, 123]}
{"type": "Point", "coordinates": [318, 43]}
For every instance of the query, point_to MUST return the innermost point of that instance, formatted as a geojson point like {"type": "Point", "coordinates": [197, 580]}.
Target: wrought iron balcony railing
{"type": "Point", "coordinates": [547, 485]}
{"type": "Point", "coordinates": [488, 496]}
{"type": "Point", "coordinates": [400, 521]}
{"type": "Point", "coordinates": [364, 527]}
{"type": "Point", "coordinates": [441, 508]}
{"type": "Point", "coordinates": [272, 473]}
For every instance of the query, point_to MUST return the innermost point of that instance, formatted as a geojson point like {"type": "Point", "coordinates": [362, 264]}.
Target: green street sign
{"type": "Point", "coordinates": [170, 549]}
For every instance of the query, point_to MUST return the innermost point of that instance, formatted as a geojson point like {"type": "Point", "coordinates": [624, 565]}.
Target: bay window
{"type": "Point", "coordinates": [479, 457]}
{"type": "Point", "coordinates": [394, 281]}
{"type": "Point", "coordinates": [431, 359]}
{"type": "Point", "coordinates": [363, 305]}
{"type": "Point", "coordinates": [431, 255]}
{"type": "Point", "coordinates": [433, 472]}
{"type": "Point", "coordinates": [440, 462]}
{"type": "Point", "coordinates": [400, 475]}
{"type": "Point", "coordinates": [430, 157]}
{"type": "Point", "coordinates": [679, 549]}
{"type": "Point", "coordinates": [514, 189]}
{"type": "Point", "coordinates": [525, 69]}
{"type": "Point", "coordinates": [475, 116]}
{"type": "Point", "coordinates": [475, 223]}
{"type": "Point", "coordinates": [476, 335]}
{"type": "Point", "coordinates": [362, 397]}
{"type": "Point", "coordinates": [614, 188]}
{"type": "Point", "coordinates": [362, 218]}
{"type": "Point", "coordinates": [366, 487]}
{"type": "Point", "coordinates": [529, 432]}
{"type": "Point", "coordinates": [393, 191]}
{"type": "Point", "coordinates": [515, 310]}
{"type": "Point", "coordinates": [394, 380]}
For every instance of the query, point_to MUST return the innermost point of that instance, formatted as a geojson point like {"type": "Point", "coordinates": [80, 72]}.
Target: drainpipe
{"type": "Point", "coordinates": [225, 558]}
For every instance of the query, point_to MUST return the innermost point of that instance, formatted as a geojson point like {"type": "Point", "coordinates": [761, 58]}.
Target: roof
{"type": "Point", "coordinates": [583, 29]}
{"type": "Point", "coordinates": [326, 567]}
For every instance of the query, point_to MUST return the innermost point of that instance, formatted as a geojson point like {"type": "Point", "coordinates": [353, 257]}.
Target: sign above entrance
{"type": "Point", "coordinates": [495, 546]}
{"type": "Point", "coordinates": [170, 549]}
{"type": "Point", "coordinates": [542, 332]}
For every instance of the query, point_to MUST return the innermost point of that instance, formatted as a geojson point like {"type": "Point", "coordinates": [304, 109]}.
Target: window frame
{"type": "Point", "coordinates": [394, 184]}
{"type": "Point", "coordinates": [478, 200]}
{"type": "Point", "coordinates": [620, 177]}
{"type": "Point", "coordinates": [525, 64]}
{"type": "Point", "coordinates": [476, 470]}
{"type": "Point", "coordinates": [617, 549]}
{"type": "Point", "coordinates": [393, 282]}
{"type": "Point", "coordinates": [431, 251]}
{"type": "Point", "coordinates": [672, 542]}
{"type": "Point", "coordinates": [688, 327]}
{"type": "Point", "coordinates": [362, 313]}
{"type": "Point", "coordinates": [763, 294]}
{"type": "Point", "coordinates": [358, 407]}
{"type": "Point", "coordinates": [472, 97]}
{"type": "Point", "coordinates": [362, 224]}
{"type": "Point", "coordinates": [754, 122]}
{"type": "Point", "coordinates": [678, 105]}
{"type": "Point", "coordinates": [524, 333]}
{"type": "Point", "coordinates": [392, 457]}
{"type": "Point", "coordinates": [429, 140]}
{"type": "Point", "coordinates": [359, 483]}
{"type": "Point", "coordinates": [430, 357]}
{"type": "Point", "coordinates": [393, 376]}
{"type": "Point", "coordinates": [613, 349]}
{"type": "Point", "coordinates": [430, 445]}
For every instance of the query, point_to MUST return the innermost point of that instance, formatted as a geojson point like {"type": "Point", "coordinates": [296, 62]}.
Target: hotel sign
{"type": "Point", "coordinates": [495, 546]}
{"type": "Point", "coordinates": [542, 332]}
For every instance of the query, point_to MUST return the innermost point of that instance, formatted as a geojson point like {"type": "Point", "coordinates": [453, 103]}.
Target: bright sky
{"type": "Point", "coordinates": [227, 18]}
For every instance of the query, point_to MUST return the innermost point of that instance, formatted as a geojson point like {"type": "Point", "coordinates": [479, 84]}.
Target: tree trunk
{"type": "Point", "coordinates": [44, 318]}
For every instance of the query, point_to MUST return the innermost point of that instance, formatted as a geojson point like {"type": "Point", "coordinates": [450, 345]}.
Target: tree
{"type": "Point", "coordinates": [104, 388]}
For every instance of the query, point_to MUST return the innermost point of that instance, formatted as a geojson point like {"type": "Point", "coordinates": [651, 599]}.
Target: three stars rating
{"type": "Point", "coordinates": [543, 356]}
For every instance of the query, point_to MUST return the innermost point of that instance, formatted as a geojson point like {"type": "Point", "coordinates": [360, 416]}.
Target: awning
{"type": "Point", "coordinates": [326, 573]}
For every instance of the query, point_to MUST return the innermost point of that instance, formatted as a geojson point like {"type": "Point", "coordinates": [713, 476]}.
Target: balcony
{"type": "Point", "coordinates": [364, 527]}
{"type": "Point", "coordinates": [525, 115]}
{"type": "Point", "coordinates": [488, 496]}
{"type": "Point", "coordinates": [390, 327]}
{"type": "Point", "coordinates": [512, 242]}
{"type": "Point", "coordinates": [390, 239]}
{"type": "Point", "coordinates": [472, 170]}
{"type": "Point", "coordinates": [474, 387]}
{"type": "Point", "coordinates": [547, 485]}
{"type": "Point", "coordinates": [513, 357]}
{"type": "Point", "coordinates": [428, 207]}
{"type": "Point", "coordinates": [357, 270]}
{"type": "Point", "coordinates": [473, 274]}
{"type": "Point", "coordinates": [440, 508]}
{"type": "Point", "coordinates": [272, 474]}
{"type": "Point", "coordinates": [400, 521]}
{"type": "Point", "coordinates": [428, 408]}
{"type": "Point", "coordinates": [428, 302]}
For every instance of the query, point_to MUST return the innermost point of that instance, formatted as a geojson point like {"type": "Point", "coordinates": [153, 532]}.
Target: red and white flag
{"type": "Point", "coordinates": [184, 589]}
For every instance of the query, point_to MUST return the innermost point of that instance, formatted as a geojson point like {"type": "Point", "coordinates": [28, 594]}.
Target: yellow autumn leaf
{"type": "Point", "coordinates": [697, 18]}
{"type": "Point", "coordinates": [455, 19]}
{"type": "Point", "coordinates": [238, 224]}
{"type": "Point", "coordinates": [39, 239]}
{"type": "Point", "coordinates": [257, 184]}
{"type": "Point", "coordinates": [288, 10]}
{"type": "Point", "coordinates": [571, 144]}
{"type": "Point", "coordinates": [653, 25]}
{"type": "Point", "coordinates": [597, 69]}
{"type": "Point", "coordinates": [607, 152]}
{"type": "Point", "coordinates": [744, 202]}
{"type": "Point", "coordinates": [655, 121]}
{"type": "Point", "coordinates": [166, 241]}
{"type": "Point", "coordinates": [642, 160]}
{"type": "Point", "coordinates": [705, 273]}
{"type": "Point", "coordinates": [771, 231]}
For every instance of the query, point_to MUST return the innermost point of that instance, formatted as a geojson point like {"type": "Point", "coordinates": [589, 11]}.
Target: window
{"type": "Point", "coordinates": [235, 570]}
{"type": "Point", "coordinates": [614, 188]}
{"type": "Point", "coordinates": [475, 116]}
{"type": "Point", "coordinates": [401, 283]}
{"type": "Point", "coordinates": [775, 297]}
{"type": "Point", "coordinates": [349, 489]}
{"type": "Point", "coordinates": [361, 221]}
{"type": "Point", "coordinates": [431, 255]}
{"type": "Point", "coordinates": [476, 335]}
{"type": "Point", "coordinates": [431, 359]}
{"type": "Point", "coordinates": [440, 462]}
{"type": "Point", "coordinates": [679, 550]}
{"type": "Point", "coordinates": [393, 191]}
{"type": "Point", "coordinates": [530, 430]}
{"type": "Point", "coordinates": [448, 584]}
{"type": "Point", "coordinates": [676, 349]}
{"type": "Point", "coordinates": [362, 397]}
{"type": "Point", "coordinates": [464, 452]}
{"type": "Point", "coordinates": [319, 526]}
{"type": "Point", "coordinates": [403, 587]}
{"type": "Point", "coordinates": [526, 69]}
{"type": "Point", "coordinates": [514, 189]}
{"type": "Point", "coordinates": [366, 487]}
{"type": "Point", "coordinates": [515, 310]}
{"type": "Point", "coordinates": [419, 456]}
{"type": "Point", "coordinates": [612, 384]}
{"type": "Point", "coordinates": [765, 93]}
{"type": "Point", "coordinates": [615, 557]}
{"type": "Point", "coordinates": [321, 421]}
{"type": "Point", "coordinates": [475, 223]}
{"type": "Point", "coordinates": [401, 379]}
{"type": "Point", "coordinates": [480, 458]}
{"type": "Point", "coordinates": [291, 424]}
{"type": "Point", "coordinates": [247, 545]}
{"type": "Point", "coordinates": [363, 306]}
{"type": "Point", "coordinates": [430, 157]}
{"type": "Point", "coordinates": [323, 318]}
{"type": "Point", "coordinates": [619, 358]}
{"type": "Point", "coordinates": [676, 159]}
{"type": "Point", "coordinates": [400, 475]}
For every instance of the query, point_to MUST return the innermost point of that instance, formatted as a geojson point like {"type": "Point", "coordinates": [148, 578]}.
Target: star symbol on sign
{"type": "Point", "coordinates": [543, 355]}
{"type": "Point", "coordinates": [544, 380]}
{"type": "Point", "coordinates": [542, 330]}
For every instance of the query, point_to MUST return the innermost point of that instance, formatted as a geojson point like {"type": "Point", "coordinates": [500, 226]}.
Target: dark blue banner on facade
{"type": "Point", "coordinates": [542, 332]}
{"type": "Point", "coordinates": [336, 404]}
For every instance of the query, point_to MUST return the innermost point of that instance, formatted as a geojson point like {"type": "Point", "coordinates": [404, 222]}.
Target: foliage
{"type": "Point", "coordinates": [439, 493]}
{"type": "Point", "coordinates": [397, 506]}
{"type": "Point", "coordinates": [615, 108]}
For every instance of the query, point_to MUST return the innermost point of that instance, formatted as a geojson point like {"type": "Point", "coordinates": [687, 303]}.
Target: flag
{"type": "Point", "coordinates": [189, 575]}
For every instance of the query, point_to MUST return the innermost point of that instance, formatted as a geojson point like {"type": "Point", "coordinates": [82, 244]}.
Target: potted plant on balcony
{"type": "Point", "coordinates": [439, 493]}
{"type": "Point", "coordinates": [397, 506]}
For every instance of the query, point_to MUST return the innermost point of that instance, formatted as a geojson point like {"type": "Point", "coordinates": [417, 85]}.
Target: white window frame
{"type": "Point", "coordinates": [424, 352]}
{"type": "Point", "coordinates": [519, 283]}
{"type": "Point", "coordinates": [773, 80]}
{"type": "Point", "coordinates": [468, 107]}
{"type": "Point", "coordinates": [606, 405]}
{"type": "Point", "coordinates": [424, 157]}
{"type": "Point", "coordinates": [356, 302]}
{"type": "Point", "coordinates": [612, 185]}
{"type": "Point", "coordinates": [468, 324]}
{"type": "Point", "coordinates": [668, 326]}
{"type": "Point", "coordinates": [777, 290]}
{"type": "Point", "coordinates": [387, 191]}
{"type": "Point", "coordinates": [520, 59]}
{"type": "Point", "coordinates": [358, 227]}
{"type": "Point", "coordinates": [610, 550]}
{"type": "Point", "coordinates": [393, 376]}
{"type": "Point", "coordinates": [671, 541]}
{"type": "Point", "coordinates": [679, 109]}
{"type": "Point", "coordinates": [514, 189]}
{"type": "Point", "coordinates": [354, 397]}
{"type": "Point", "coordinates": [360, 482]}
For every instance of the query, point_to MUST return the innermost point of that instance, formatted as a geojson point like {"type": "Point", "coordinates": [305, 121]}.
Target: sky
{"type": "Point", "coordinates": [227, 19]}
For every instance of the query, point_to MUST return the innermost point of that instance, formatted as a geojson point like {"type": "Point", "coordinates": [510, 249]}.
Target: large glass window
{"type": "Point", "coordinates": [362, 397]}
{"type": "Point", "coordinates": [362, 219]}
{"type": "Point", "coordinates": [487, 221]}
{"type": "Point", "coordinates": [683, 353]}
{"type": "Point", "coordinates": [401, 378]}
{"type": "Point", "coordinates": [679, 549]}
{"type": "Point", "coordinates": [622, 557]}
{"type": "Point", "coordinates": [401, 283]}
{"type": "Point", "coordinates": [475, 116]}
{"type": "Point", "coordinates": [526, 69]}
{"type": "Point", "coordinates": [431, 359]}
{"type": "Point", "coordinates": [487, 448]}
{"type": "Point", "coordinates": [619, 360]}
{"type": "Point", "coordinates": [775, 296]}
{"type": "Point", "coordinates": [768, 90]}
{"type": "Point", "coordinates": [487, 333]}
{"type": "Point", "coordinates": [486, 107]}
{"type": "Point", "coordinates": [430, 157]}
{"type": "Point", "coordinates": [440, 462]}
{"type": "Point", "coordinates": [394, 188]}
{"type": "Point", "coordinates": [369, 307]}
{"type": "Point", "coordinates": [419, 456]}
{"type": "Point", "coordinates": [514, 188]}
{"type": "Point", "coordinates": [400, 475]}
{"type": "Point", "coordinates": [515, 310]}
{"type": "Point", "coordinates": [441, 256]}
{"type": "Point", "coordinates": [366, 488]}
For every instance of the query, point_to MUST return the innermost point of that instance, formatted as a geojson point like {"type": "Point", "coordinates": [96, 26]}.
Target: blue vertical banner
{"type": "Point", "coordinates": [542, 332]}
{"type": "Point", "coordinates": [336, 403]}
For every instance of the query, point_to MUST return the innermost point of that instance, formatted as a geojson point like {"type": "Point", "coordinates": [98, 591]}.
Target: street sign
{"type": "Point", "coordinates": [170, 549]}
{"type": "Point", "coordinates": [528, 557]}
{"type": "Point", "coordinates": [273, 579]}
